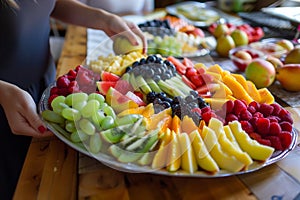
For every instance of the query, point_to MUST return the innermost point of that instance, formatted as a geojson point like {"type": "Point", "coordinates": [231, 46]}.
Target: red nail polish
{"type": "Point", "coordinates": [42, 129]}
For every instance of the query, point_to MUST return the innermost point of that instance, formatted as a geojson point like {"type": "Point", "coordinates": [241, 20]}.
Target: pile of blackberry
{"type": "Point", "coordinates": [153, 67]}
{"type": "Point", "coordinates": [180, 106]}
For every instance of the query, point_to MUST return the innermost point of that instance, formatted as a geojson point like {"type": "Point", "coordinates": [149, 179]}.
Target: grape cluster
{"type": "Point", "coordinates": [191, 105]}
{"type": "Point", "coordinates": [157, 27]}
{"type": "Point", "coordinates": [153, 67]}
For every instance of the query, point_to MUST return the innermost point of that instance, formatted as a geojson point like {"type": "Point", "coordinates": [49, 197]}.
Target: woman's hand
{"type": "Point", "coordinates": [20, 111]}
{"type": "Point", "coordinates": [117, 25]}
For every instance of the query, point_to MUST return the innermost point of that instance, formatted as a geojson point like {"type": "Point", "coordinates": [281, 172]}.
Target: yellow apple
{"type": "Point", "coordinates": [221, 29]}
{"type": "Point", "coordinates": [261, 72]}
{"type": "Point", "coordinates": [239, 37]}
{"type": "Point", "coordinates": [224, 44]}
{"type": "Point", "coordinates": [288, 76]}
{"type": "Point", "coordinates": [287, 44]}
{"type": "Point", "coordinates": [121, 45]}
{"type": "Point", "coordinates": [293, 57]}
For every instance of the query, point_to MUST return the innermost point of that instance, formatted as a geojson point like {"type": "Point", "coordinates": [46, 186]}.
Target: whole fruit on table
{"type": "Point", "coordinates": [288, 76]}
{"type": "Point", "coordinates": [261, 72]}
{"type": "Point", "coordinates": [287, 44]}
{"type": "Point", "coordinates": [122, 45]}
{"type": "Point", "coordinates": [221, 29]}
{"type": "Point", "coordinates": [239, 37]}
{"type": "Point", "coordinates": [224, 44]}
{"type": "Point", "coordinates": [293, 57]}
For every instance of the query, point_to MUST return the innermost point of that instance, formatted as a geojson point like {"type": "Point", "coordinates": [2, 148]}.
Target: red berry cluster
{"type": "Point", "coordinates": [269, 124]}
{"type": "Point", "coordinates": [79, 79]}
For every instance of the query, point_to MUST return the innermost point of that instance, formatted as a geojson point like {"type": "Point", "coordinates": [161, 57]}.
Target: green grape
{"type": "Point", "coordinates": [90, 108]}
{"type": "Point", "coordinates": [58, 103]}
{"type": "Point", "coordinates": [127, 119]}
{"type": "Point", "coordinates": [74, 98]}
{"type": "Point", "coordinates": [79, 105]}
{"type": "Point", "coordinates": [71, 114]}
{"type": "Point", "coordinates": [70, 126]}
{"type": "Point", "coordinates": [87, 127]}
{"type": "Point", "coordinates": [103, 105]}
{"type": "Point", "coordinates": [52, 116]}
{"type": "Point", "coordinates": [95, 143]}
{"type": "Point", "coordinates": [78, 136]}
{"type": "Point", "coordinates": [107, 123]}
{"type": "Point", "coordinates": [109, 111]}
{"type": "Point", "coordinates": [99, 97]}
{"type": "Point", "coordinates": [98, 117]}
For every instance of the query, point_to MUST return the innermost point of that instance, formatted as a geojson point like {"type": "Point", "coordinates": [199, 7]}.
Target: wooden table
{"type": "Point", "coordinates": [53, 170]}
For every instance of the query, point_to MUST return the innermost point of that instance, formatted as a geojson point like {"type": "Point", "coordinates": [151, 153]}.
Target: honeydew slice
{"type": "Point", "coordinates": [256, 150]}
{"type": "Point", "coordinates": [159, 160]}
{"type": "Point", "coordinates": [188, 160]}
{"type": "Point", "coordinates": [217, 126]}
{"type": "Point", "coordinates": [174, 154]}
{"type": "Point", "coordinates": [224, 161]}
{"type": "Point", "coordinates": [230, 136]}
{"type": "Point", "coordinates": [203, 158]}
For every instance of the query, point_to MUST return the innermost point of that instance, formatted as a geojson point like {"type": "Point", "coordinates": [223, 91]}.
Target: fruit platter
{"type": "Point", "coordinates": [171, 35]}
{"type": "Point", "coordinates": [168, 116]}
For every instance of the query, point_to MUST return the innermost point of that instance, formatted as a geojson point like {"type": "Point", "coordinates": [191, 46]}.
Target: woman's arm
{"type": "Point", "coordinates": [77, 13]}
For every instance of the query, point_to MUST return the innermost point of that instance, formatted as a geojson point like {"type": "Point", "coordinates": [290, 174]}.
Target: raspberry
{"type": "Point", "coordinates": [286, 126]}
{"type": "Point", "coordinates": [230, 117]}
{"type": "Point", "coordinates": [53, 90]}
{"type": "Point", "coordinates": [263, 125]}
{"type": "Point", "coordinates": [228, 106]}
{"type": "Point", "coordinates": [273, 119]}
{"type": "Point", "coordinates": [247, 127]}
{"type": "Point", "coordinates": [276, 108]}
{"type": "Point", "coordinates": [264, 141]}
{"type": "Point", "coordinates": [253, 122]}
{"type": "Point", "coordinates": [287, 118]}
{"type": "Point", "coordinates": [266, 109]}
{"type": "Point", "coordinates": [50, 99]}
{"type": "Point", "coordinates": [285, 115]}
{"type": "Point", "coordinates": [254, 136]}
{"type": "Point", "coordinates": [62, 82]}
{"type": "Point", "coordinates": [251, 109]}
{"type": "Point", "coordinates": [245, 115]}
{"type": "Point", "coordinates": [286, 139]}
{"type": "Point", "coordinates": [238, 106]}
{"type": "Point", "coordinates": [275, 128]}
{"type": "Point", "coordinates": [258, 115]}
{"type": "Point", "coordinates": [275, 142]}
{"type": "Point", "coordinates": [255, 104]}
{"type": "Point", "coordinates": [63, 91]}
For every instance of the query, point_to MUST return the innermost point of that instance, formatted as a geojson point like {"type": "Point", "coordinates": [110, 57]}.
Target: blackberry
{"type": "Point", "coordinates": [128, 69]}
{"type": "Point", "coordinates": [161, 95]}
{"type": "Point", "coordinates": [166, 104]}
{"type": "Point", "coordinates": [157, 101]}
{"type": "Point", "coordinates": [151, 96]}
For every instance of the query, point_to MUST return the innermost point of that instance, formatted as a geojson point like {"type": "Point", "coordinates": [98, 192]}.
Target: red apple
{"type": "Point", "coordinates": [261, 72]}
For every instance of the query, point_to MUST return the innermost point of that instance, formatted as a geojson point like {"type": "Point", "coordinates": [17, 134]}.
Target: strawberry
{"type": "Point", "coordinates": [191, 71]}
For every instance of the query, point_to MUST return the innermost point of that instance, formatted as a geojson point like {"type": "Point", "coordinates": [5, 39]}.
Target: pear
{"type": "Point", "coordinates": [288, 76]}
{"type": "Point", "coordinates": [293, 56]}
{"type": "Point", "coordinates": [221, 29]}
{"type": "Point", "coordinates": [224, 44]}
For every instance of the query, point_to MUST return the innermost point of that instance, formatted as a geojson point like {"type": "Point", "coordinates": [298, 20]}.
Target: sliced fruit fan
{"type": "Point", "coordinates": [169, 114]}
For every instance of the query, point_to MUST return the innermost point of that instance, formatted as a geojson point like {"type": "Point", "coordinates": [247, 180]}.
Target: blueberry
{"type": "Point", "coordinates": [194, 93]}
{"type": "Point", "coordinates": [136, 63]}
{"type": "Point", "coordinates": [142, 61]}
{"type": "Point", "coordinates": [128, 69]}
{"type": "Point", "coordinates": [150, 59]}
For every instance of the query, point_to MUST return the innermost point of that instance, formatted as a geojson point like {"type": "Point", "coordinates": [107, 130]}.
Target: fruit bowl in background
{"type": "Point", "coordinates": [269, 48]}
{"type": "Point", "coordinates": [241, 60]}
